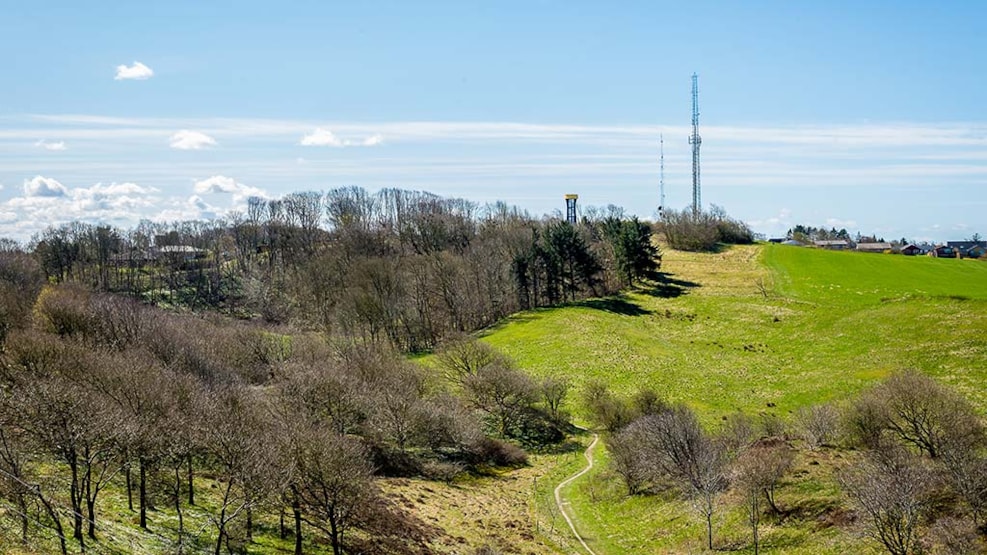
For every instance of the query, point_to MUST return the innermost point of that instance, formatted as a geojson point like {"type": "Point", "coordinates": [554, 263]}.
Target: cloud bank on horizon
{"type": "Point", "coordinates": [324, 137]}
{"type": "Point", "coordinates": [530, 165]}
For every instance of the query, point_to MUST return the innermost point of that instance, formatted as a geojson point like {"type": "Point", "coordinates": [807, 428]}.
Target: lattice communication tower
{"type": "Point", "coordinates": [695, 140]}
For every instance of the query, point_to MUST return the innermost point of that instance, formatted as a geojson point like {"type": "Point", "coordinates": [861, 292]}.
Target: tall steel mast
{"type": "Point", "coordinates": [695, 141]}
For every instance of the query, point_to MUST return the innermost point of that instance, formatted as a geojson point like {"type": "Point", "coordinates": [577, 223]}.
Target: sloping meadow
{"type": "Point", "coordinates": [763, 330]}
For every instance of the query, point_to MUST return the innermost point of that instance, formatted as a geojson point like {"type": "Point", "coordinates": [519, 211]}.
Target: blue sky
{"type": "Point", "coordinates": [865, 115]}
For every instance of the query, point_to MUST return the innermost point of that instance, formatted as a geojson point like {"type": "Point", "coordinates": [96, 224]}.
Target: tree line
{"type": "Point", "coordinates": [403, 268]}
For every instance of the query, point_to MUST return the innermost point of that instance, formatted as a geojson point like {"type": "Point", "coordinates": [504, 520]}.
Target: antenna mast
{"type": "Point", "coordinates": [695, 141]}
{"type": "Point", "coordinates": [661, 176]}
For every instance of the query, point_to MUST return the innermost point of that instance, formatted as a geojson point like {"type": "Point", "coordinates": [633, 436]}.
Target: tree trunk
{"type": "Point", "coordinates": [337, 547]}
{"type": "Point", "coordinates": [91, 513]}
{"type": "Point", "coordinates": [143, 493]}
{"type": "Point", "coordinates": [282, 531]}
{"type": "Point", "coordinates": [222, 518]}
{"type": "Point", "coordinates": [130, 487]}
{"type": "Point", "coordinates": [755, 509]}
{"type": "Point", "coordinates": [769, 494]}
{"type": "Point", "coordinates": [296, 511]}
{"type": "Point", "coordinates": [55, 519]}
{"type": "Point", "coordinates": [75, 494]}
{"type": "Point", "coordinates": [250, 524]}
{"type": "Point", "coordinates": [222, 531]}
{"type": "Point", "coordinates": [191, 485]}
{"type": "Point", "coordinates": [178, 508]}
{"type": "Point", "coordinates": [87, 485]}
{"type": "Point", "coordinates": [22, 507]}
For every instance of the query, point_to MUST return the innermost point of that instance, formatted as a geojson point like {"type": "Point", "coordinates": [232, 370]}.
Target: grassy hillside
{"type": "Point", "coordinates": [768, 327]}
{"type": "Point", "coordinates": [760, 329]}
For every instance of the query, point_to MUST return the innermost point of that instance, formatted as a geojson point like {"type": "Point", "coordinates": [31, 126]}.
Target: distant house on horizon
{"type": "Point", "coordinates": [873, 247]}
{"type": "Point", "coordinates": [976, 251]}
{"type": "Point", "coordinates": [833, 245]}
{"type": "Point", "coordinates": [962, 247]}
{"type": "Point", "coordinates": [943, 251]}
{"type": "Point", "coordinates": [911, 250]}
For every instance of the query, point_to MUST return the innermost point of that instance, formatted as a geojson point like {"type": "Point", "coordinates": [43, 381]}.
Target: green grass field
{"type": "Point", "coordinates": [758, 326]}
{"type": "Point", "coordinates": [758, 329]}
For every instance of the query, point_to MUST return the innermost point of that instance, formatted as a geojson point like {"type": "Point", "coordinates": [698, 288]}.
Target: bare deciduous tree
{"type": "Point", "coordinates": [756, 472]}
{"type": "Point", "coordinates": [462, 356]}
{"type": "Point", "coordinates": [919, 411]}
{"type": "Point", "coordinates": [818, 425]}
{"type": "Point", "coordinates": [892, 489]}
{"type": "Point", "coordinates": [605, 409]}
{"type": "Point", "coordinates": [334, 483]}
{"type": "Point", "coordinates": [553, 393]}
{"type": "Point", "coordinates": [394, 399]}
{"type": "Point", "coordinates": [681, 450]}
{"type": "Point", "coordinates": [242, 447]}
{"type": "Point", "coordinates": [630, 460]}
{"type": "Point", "coordinates": [503, 393]}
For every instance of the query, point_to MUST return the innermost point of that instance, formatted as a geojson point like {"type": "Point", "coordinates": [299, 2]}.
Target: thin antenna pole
{"type": "Point", "coordinates": [695, 141]}
{"type": "Point", "coordinates": [661, 176]}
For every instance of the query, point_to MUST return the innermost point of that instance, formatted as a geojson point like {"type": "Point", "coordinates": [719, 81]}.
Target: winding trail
{"type": "Point", "coordinates": [558, 492]}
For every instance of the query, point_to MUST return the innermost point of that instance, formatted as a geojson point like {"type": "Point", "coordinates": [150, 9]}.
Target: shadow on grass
{"type": "Point", "coordinates": [667, 287]}
{"type": "Point", "coordinates": [616, 305]}
{"type": "Point", "coordinates": [529, 315]}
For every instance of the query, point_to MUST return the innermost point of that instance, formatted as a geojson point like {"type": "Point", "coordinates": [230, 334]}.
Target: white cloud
{"type": "Point", "coordinates": [46, 202]}
{"type": "Point", "coordinates": [58, 145]}
{"type": "Point", "coordinates": [138, 71]}
{"type": "Point", "coordinates": [321, 137]}
{"type": "Point", "coordinates": [220, 184]}
{"type": "Point", "coordinates": [191, 140]}
{"type": "Point", "coordinates": [113, 202]}
{"type": "Point", "coordinates": [217, 184]}
{"type": "Point", "coordinates": [40, 186]}
{"type": "Point", "coordinates": [324, 137]}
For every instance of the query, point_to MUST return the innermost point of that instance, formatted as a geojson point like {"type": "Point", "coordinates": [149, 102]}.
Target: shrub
{"type": "Point", "coordinates": [440, 470]}
{"type": "Point", "coordinates": [537, 429]}
{"type": "Point", "coordinates": [918, 411]}
{"type": "Point", "coordinates": [703, 231]}
{"type": "Point", "coordinates": [606, 410]}
{"type": "Point", "coordinates": [392, 462]}
{"type": "Point", "coordinates": [690, 231]}
{"type": "Point", "coordinates": [818, 425]}
{"type": "Point", "coordinates": [497, 453]}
